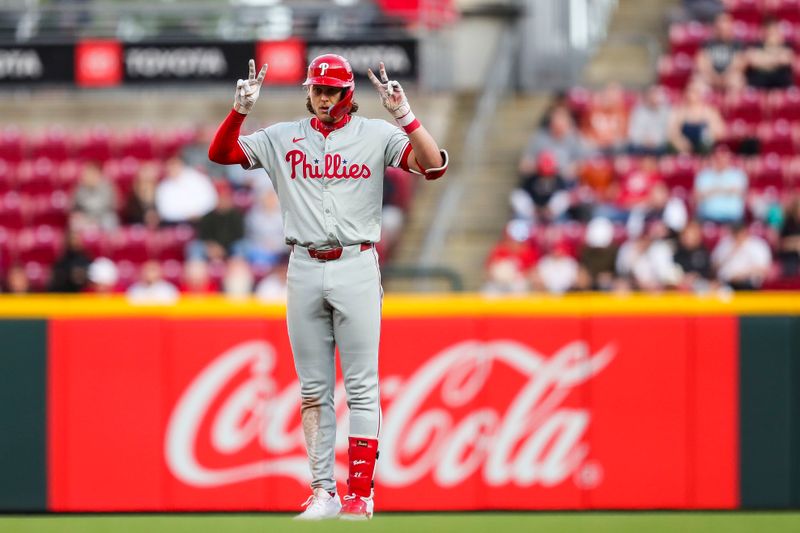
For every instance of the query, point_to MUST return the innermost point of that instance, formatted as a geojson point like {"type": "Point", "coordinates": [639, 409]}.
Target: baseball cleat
{"type": "Point", "coordinates": [321, 505]}
{"type": "Point", "coordinates": [357, 507]}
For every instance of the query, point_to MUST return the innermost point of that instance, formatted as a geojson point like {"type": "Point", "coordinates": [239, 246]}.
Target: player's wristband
{"type": "Point", "coordinates": [408, 122]}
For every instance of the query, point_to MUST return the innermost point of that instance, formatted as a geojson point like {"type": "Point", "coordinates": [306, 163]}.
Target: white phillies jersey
{"type": "Point", "coordinates": [330, 189]}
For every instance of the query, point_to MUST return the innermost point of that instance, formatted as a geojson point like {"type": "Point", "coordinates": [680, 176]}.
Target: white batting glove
{"type": "Point", "coordinates": [247, 90]}
{"type": "Point", "coordinates": [392, 96]}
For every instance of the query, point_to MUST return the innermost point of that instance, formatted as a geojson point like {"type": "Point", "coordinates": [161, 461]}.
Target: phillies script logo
{"type": "Point", "coordinates": [532, 440]}
{"type": "Point", "coordinates": [333, 167]}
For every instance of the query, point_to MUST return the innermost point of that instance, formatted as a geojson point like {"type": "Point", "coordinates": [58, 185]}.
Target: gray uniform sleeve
{"type": "Point", "coordinates": [259, 149]}
{"type": "Point", "coordinates": [396, 143]}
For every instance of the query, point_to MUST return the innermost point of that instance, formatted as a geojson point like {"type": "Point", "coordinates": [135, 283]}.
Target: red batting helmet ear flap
{"type": "Point", "coordinates": [343, 106]}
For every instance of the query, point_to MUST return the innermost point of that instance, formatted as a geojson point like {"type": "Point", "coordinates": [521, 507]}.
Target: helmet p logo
{"type": "Point", "coordinates": [322, 68]}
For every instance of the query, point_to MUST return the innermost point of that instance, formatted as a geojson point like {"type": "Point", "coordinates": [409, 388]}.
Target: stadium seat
{"type": "Point", "coordinates": [745, 105]}
{"type": "Point", "coordinates": [12, 211]}
{"type": "Point", "coordinates": [784, 104]}
{"type": "Point", "coordinates": [52, 210]}
{"type": "Point", "coordinates": [687, 38]}
{"type": "Point", "coordinates": [674, 71]}
{"type": "Point", "coordinates": [172, 270]}
{"type": "Point", "coordinates": [36, 178]}
{"type": "Point", "coordinates": [8, 249]}
{"type": "Point", "coordinates": [95, 145]}
{"type": "Point", "coordinates": [42, 244]}
{"type": "Point", "coordinates": [52, 144]}
{"type": "Point", "coordinates": [767, 172]}
{"type": "Point", "coordinates": [95, 242]}
{"type": "Point", "coordinates": [679, 171]}
{"type": "Point", "coordinates": [776, 137]}
{"type": "Point", "coordinates": [746, 11]}
{"type": "Point", "coordinates": [788, 10]}
{"type": "Point", "coordinates": [131, 244]}
{"type": "Point", "coordinates": [11, 144]}
{"type": "Point", "coordinates": [8, 176]}
{"type": "Point", "coordinates": [139, 144]}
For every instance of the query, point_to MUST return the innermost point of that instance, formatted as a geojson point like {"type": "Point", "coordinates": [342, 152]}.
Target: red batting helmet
{"type": "Point", "coordinates": [330, 69]}
{"type": "Point", "coordinates": [333, 70]}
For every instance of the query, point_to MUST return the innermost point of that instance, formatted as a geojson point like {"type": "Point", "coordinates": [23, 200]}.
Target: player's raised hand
{"type": "Point", "coordinates": [390, 92]}
{"type": "Point", "coordinates": [247, 90]}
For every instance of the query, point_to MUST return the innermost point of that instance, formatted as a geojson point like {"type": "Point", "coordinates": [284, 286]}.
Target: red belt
{"type": "Point", "coordinates": [331, 254]}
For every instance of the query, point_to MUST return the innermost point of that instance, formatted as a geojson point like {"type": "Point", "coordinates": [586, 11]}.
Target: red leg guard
{"type": "Point", "coordinates": [362, 454]}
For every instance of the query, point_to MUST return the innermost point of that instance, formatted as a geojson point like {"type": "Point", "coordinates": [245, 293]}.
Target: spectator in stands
{"type": "Point", "coordinates": [557, 271]}
{"type": "Point", "coordinates": [649, 123]}
{"type": "Point", "coordinates": [693, 258]}
{"type": "Point", "coordinates": [94, 201]}
{"type": "Point", "coordinates": [645, 260]}
{"type": "Point", "coordinates": [238, 280]}
{"type": "Point", "coordinates": [273, 287]}
{"type": "Point", "coordinates": [769, 65]}
{"type": "Point", "coordinates": [17, 281]}
{"type": "Point", "coordinates": [543, 195]}
{"type": "Point", "coordinates": [197, 278]}
{"type": "Point", "coordinates": [694, 124]}
{"type": "Point", "coordinates": [266, 244]}
{"type": "Point", "coordinates": [789, 247]}
{"type": "Point", "coordinates": [152, 288]}
{"type": "Point", "coordinates": [598, 255]}
{"type": "Point", "coordinates": [701, 10]}
{"type": "Point", "coordinates": [605, 123]}
{"type": "Point", "coordinates": [562, 140]}
{"type": "Point", "coordinates": [184, 195]}
{"type": "Point", "coordinates": [510, 261]}
{"type": "Point", "coordinates": [721, 61]}
{"type": "Point", "coordinates": [140, 206]}
{"type": "Point", "coordinates": [70, 270]}
{"type": "Point", "coordinates": [742, 261]}
{"type": "Point", "coordinates": [103, 276]}
{"type": "Point", "coordinates": [219, 232]}
{"type": "Point", "coordinates": [720, 189]}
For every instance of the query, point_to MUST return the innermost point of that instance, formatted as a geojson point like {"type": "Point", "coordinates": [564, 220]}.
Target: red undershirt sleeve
{"type": "Point", "coordinates": [224, 148]}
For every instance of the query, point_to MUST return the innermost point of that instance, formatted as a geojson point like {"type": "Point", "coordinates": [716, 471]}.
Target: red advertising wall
{"type": "Point", "coordinates": [479, 413]}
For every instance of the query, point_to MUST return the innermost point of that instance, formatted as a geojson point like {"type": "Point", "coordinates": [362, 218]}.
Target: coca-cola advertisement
{"type": "Point", "coordinates": [478, 413]}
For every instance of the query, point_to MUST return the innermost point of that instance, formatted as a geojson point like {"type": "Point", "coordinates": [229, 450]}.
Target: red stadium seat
{"type": "Point", "coordinates": [679, 171]}
{"type": "Point", "coordinates": [767, 172]}
{"type": "Point", "coordinates": [745, 105]}
{"type": "Point", "coordinates": [8, 248]}
{"type": "Point", "coordinates": [94, 241]}
{"type": "Point", "coordinates": [51, 210]}
{"type": "Point", "coordinates": [788, 10]}
{"type": "Point", "coordinates": [171, 143]}
{"type": "Point", "coordinates": [8, 176]}
{"type": "Point", "coordinates": [42, 244]}
{"type": "Point", "coordinates": [687, 38]}
{"type": "Point", "coordinates": [747, 11]}
{"type": "Point", "coordinates": [13, 212]}
{"type": "Point", "coordinates": [131, 244]}
{"type": "Point", "coordinates": [95, 145]}
{"type": "Point", "coordinates": [784, 104]}
{"type": "Point", "coordinates": [139, 144]}
{"type": "Point", "coordinates": [712, 233]}
{"type": "Point", "coordinates": [37, 177]}
{"type": "Point", "coordinates": [674, 71]}
{"type": "Point", "coordinates": [67, 175]}
{"type": "Point", "coordinates": [12, 147]}
{"type": "Point", "coordinates": [52, 144]}
{"type": "Point", "coordinates": [776, 137]}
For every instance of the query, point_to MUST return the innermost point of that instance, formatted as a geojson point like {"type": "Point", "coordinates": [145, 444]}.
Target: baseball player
{"type": "Point", "coordinates": [328, 171]}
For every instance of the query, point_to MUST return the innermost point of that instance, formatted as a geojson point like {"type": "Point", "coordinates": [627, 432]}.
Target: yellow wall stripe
{"type": "Point", "coordinates": [402, 305]}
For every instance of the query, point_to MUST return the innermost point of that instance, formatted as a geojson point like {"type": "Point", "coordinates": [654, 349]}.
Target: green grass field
{"type": "Point", "coordinates": [603, 522]}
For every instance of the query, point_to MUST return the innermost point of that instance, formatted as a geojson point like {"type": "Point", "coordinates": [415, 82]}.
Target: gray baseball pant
{"type": "Point", "coordinates": [335, 304]}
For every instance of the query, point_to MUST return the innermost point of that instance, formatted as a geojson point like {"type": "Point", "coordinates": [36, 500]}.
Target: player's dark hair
{"type": "Point", "coordinates": [353, 106]}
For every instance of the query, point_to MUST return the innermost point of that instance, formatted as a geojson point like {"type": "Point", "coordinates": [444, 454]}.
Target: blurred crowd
{"type": "Point", "coordinates": [145, 215]}
{"type": "Point", "coordinates": [690, 184]}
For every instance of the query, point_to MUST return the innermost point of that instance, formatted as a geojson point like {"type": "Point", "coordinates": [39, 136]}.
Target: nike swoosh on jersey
{"type": "Point", "coordinates": [297, 139]}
